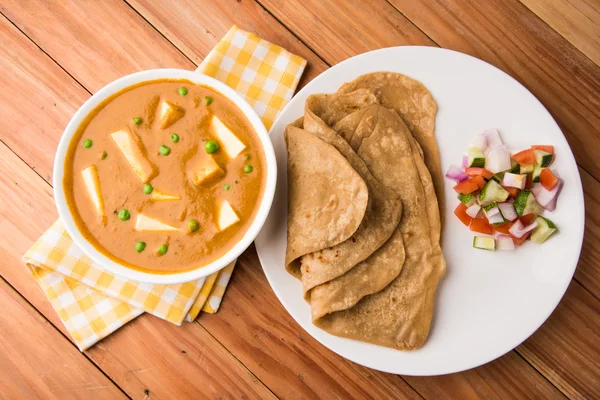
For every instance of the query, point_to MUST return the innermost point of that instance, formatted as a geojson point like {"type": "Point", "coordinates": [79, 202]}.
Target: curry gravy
{"type": "Point", "coordinates": [122, 188]}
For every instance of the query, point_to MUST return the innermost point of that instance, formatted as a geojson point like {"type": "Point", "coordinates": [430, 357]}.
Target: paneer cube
{"type": "Point", "coordinates": [169, 113]}
{"type": "Point", "coordinates": [204, 171]}
{"type": "Point", "coordinates": [227, 216]}
{"type": "Point", "coordinates": [147, 224]}
{"type": "Point", "coordinates": [133, 149]}
{"type": "Point", "coordinates": [91, 180]}
{"type": "Point", "coordinates": [160, 196]}
{"type": "Point", "coordinates": [231, 144]}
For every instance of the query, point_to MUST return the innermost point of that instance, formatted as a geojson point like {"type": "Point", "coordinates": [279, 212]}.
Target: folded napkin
{"type": "Point", "coordinates": [92, 302]}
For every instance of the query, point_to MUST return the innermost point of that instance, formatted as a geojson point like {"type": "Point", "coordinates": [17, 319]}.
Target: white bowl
{"type": "Point", "coordinates": [144, 276]}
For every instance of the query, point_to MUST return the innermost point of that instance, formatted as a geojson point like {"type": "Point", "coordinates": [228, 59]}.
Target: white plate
{"type": "Point", "coordinates": [488, 302]}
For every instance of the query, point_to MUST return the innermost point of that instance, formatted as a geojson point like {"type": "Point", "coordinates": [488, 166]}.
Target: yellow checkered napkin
{"type": "Point", "coordinates": [92, 302]}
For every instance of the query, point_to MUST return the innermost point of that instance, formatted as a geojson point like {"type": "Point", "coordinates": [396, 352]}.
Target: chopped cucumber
{"type": "Point", "coordinates": [544, 229]}
{"type": "Point", "coordinates": [492, 192]}
{"type": "Point", "coordinates": [526, 203]}
{"type": "Point", "coordinates": [493, 214]}
{"type": "Point", "coordinates": [499, 177]}
{"type": "Point", "coordinates": [537, 171]}
{"type": "Point", "coordinates": [516, 168]}
{"type": "Point", "coordinates": [542, 158]}
{"type": "Point", "coordinates": [489, 207]}
{"type": "Point", "coordinates": [467, 199]}
{"type": "Point", "coordinates": [525, 169]}
{"type": "Point", "coordinates": [476, 158]}
{"type": "Point", "coordinates": [484, 243]}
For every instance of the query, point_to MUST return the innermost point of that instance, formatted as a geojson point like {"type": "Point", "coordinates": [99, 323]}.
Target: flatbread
{"type": "Point", "coordinates": [327, 200]}
{"type": "Point", "coordinates": [417, 107]}
{"type": "Point", "coordinates": [380, 268]}
{"type": "Point", "coordinates": [381, 218]}
{"type": "Point", "coordinates": [399, 315]}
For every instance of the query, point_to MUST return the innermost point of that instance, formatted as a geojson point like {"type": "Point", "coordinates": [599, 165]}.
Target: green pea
{"type": "Point", "coordinates": [87, 143]}
{"type": "Point", "coordinates": [183, 91]}
{"type": "Point", "coordinates": [227, 187]}
{"type": "Point", "coordinates": [211, 146]}
{"type": "Point", "coordinates": [140, 246]}
{"type": "Point", "coordinates": [164, 150]}
{"type": "Point", "coordinates": [208, 100]}
{"type": "Point", "coordinates": [148, 188]}
{"type": "Point", "coordinates": [175, 138]}
{"type": "Point", "coordinates": [248, 169]}
{"type": "Point", "coordinates": [193, 225]}
{"type": "Point", "coordinates": [137, 121]}
{"type": "Point", "coordinates": [162, 250]}
{"type": "Point", "coordinates": [104, 155]}
{"type": "Point", "coordinates": [124, 215]}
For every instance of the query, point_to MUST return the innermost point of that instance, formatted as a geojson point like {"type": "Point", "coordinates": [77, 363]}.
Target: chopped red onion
{"type": "Point", "coordinates": [498, 159]}
{"type": "Point", "coordinates": [473, 211]}
{"type": "Point", "coordinates": [480, 142]}
{"type": "Point", "coordinates": [508, 211]}
{"type": "Point", "coordinates": [504, 242]}
{"type": "Point", "coordinates": [493, 137]}
{"type": "Point", "coordinates": [496, 218]}
{"type": "Point", "coordinates": [518, 230]}
{"type": "Point", "coordinates": [456, 173]}
{"type": "Point", "coordinates": [547, 198]}
{"type": "Point", "coordinates": [465, 161]}
{"type": "Point", "coordinates": [514, 180]}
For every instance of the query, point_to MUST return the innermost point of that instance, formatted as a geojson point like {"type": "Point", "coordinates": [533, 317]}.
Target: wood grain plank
{"type": "Point", "coordinates": [576, 20]}
{"type": "Point", "coordinates": [175, 362]}
{"type": "Point", "coordinates": [286, 358]}
{"type": "Point", "coordinates": [146, 355]}
{"type": "Point", "coordinates": [38, 362]}
{"type": "Point", "coordinates": [195, 28]}
{"type": "Point", "coordinates": [509, 36]}
{"type": "Point", "coordinates": [588, 270]}
{"type": "Point", "coordinates": [566, 349]}
{"type": "Point", "coordinates": [338, 30]}
{"type": "Point", "coordinates": [37, 101]}
{"type": "Point", "coordinates": [95, 41]}
{"type": "Point", "coordinates": [508, 377]}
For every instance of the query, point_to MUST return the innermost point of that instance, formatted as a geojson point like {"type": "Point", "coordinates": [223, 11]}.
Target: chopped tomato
{"type": "Point", "coordinates": [529, 182]}
{"type": "Point", "coordinates": [527, 219]}
{"type": "Point", "coordinates": [513, 192]}
{"type": "Point", "coordinates": [547, 179]}
{"type": "Point", "coordinates": [544, 147]}
{"type": "Point", "coordinates": [525, 157]}
{"type": "Point", "coordinates": [503, 228]}
{"type": "Point", "coordinates": [474, 171]}
{"type": "Point", "coordinates": [466, 187]}
{"type": "Point", "coordinates": [479, 181]}
{"type": "Point", "coordinates": [461, 213]}
{"type": "Point", "coordinates": [519, 241]}
{"type": "Point", "coordinates": [482, 226]}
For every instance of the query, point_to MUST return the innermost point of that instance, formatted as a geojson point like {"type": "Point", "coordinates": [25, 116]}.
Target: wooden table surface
{"type": "Point", "coordinates": [54, 55]}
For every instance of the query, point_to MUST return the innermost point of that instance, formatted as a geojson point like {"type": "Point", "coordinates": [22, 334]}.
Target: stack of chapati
{"type": "Point", "coordinates": [363, 215]}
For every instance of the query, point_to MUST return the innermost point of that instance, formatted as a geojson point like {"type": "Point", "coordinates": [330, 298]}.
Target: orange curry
{"type": "Point", "coordinates": [165, 176]}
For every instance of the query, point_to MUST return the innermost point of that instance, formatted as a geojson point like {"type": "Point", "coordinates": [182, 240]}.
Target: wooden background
{"type": "Point", "coordinates": [54, 55]}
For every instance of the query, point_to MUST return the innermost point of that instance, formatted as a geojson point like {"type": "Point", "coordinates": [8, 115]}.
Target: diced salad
{"type": "Point", "coordinates": [503, 194]}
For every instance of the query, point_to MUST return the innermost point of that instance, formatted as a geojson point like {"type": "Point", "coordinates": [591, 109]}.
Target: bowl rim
{"type": "Point", "coordinates": [102, 261]}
